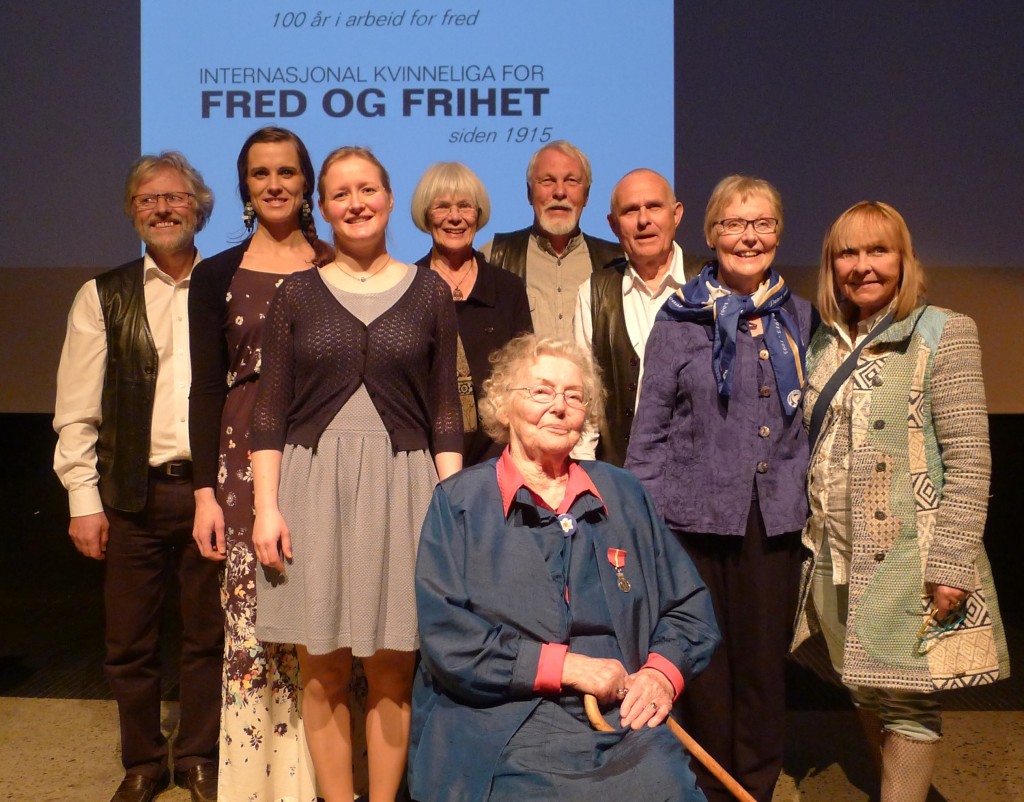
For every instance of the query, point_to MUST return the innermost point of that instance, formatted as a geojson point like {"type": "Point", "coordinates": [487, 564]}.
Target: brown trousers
{"type": "Point", "coordinates": [146, 552]}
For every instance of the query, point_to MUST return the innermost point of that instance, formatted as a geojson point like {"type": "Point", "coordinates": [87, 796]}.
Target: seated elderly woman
{"type": "Point", "coordinates": [540, 579]}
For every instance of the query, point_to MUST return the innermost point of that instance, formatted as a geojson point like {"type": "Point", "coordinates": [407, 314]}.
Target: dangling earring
{"type": "Point", "coordinates": [305, 216]}
{"type": "Point", "coordinates": [249, 216]}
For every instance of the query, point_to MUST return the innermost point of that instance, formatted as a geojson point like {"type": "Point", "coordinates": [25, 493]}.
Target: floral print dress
{"type": "Point", "coordinates": [263, 753]}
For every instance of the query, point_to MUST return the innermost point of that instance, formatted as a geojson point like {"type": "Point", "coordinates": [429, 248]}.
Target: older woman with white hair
{"type": "Point", "coordinates": [719, 443]}
{"type": "Point", "coordinates": [451, 205]}
{"type": "Point", "coordinates": [540, 579]}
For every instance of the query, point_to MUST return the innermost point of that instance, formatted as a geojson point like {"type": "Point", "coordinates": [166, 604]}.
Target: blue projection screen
{"type": "Point", "coordinates": [485, 84]}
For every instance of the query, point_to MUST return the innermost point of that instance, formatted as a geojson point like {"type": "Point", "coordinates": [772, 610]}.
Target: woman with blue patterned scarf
{"type": "Point", "coordinates": [719, 443]}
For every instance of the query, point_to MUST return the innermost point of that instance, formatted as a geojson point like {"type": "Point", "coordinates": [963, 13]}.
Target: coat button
{"type": "Point", "coordinates": [763, 431]}
{"type": "Point", "coordinates": [629, 412]}
{"type": "Point", "coordinates": [632, 386]}
{"type": "Point", "coordinates": [880, 467]}
{"type": "Point", "coordinates": [764, 391]}
{"type": "Point", "coordinates": [879, 556]}
{"type": "Point", "coordinates": [879, 424]}
{"type": "Point", "coordinates": [763, 353]}
{"type": "Point", "coordinates": [762, 467]}
{"type": "Point", "coordinates": [879, 515]}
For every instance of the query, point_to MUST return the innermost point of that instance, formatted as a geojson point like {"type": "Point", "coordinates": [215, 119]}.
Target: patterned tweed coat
{"type": "Point", "coordinates": [919, 479]}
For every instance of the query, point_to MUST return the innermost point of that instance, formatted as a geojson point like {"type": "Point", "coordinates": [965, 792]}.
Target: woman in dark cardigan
{"type": "Point", "coordinates": [357, 418]}
{"type": "Point", "coordinates": [262, 748]}
{"type": "Point", "coordinates": [451, 204]}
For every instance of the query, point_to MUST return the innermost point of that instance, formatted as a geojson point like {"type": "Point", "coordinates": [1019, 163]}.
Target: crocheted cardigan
{"type": "Point", "coordinates": [316, 354]}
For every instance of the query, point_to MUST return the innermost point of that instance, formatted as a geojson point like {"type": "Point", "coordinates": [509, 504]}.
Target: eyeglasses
{"type": "Point", "coordinates": [737, 225]}
{"type": "Point", "coordinates": [176, 200]}
{"type": "Point", "coordinates": [467, 211]}
{"type": "Point", "coordinates": [543, 394]}
{"type": "Point", "coordinates": [934, 627]}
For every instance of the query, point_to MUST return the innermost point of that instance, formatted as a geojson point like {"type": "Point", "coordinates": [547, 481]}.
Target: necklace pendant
{"type": "Point", "coordinates": [362, 279]}
{"type": "Point", "coordinates": [457, 294]}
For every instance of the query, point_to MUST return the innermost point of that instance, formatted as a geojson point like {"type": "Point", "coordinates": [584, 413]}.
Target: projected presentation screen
{"type": "Point", "coordinates": [485, 84]}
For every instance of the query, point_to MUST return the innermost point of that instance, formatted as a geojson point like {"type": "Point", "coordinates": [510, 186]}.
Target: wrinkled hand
{"type": "Point", "coordinates": [90, 533]}
{"type": "Point", "coordinates": [208, 526]}
{"type": "Point", "coordinates": [594, 675]}
{"type": "Point", "coordinates": [648, 699]}
{"type": "Point", "coordinates": [271, 540]}
{"type": "Point", "coordinates": [946, 598]}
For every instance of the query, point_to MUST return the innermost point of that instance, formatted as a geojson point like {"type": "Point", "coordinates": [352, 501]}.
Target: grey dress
{"type": "Point", "coordinates": [354, 509]}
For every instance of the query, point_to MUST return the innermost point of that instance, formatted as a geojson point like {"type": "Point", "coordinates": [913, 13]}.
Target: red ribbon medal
{"type": "Point", "coordinates": [617, 557]}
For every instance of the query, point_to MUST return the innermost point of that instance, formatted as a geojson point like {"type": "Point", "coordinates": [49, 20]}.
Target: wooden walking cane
{"type": "Point", "coordinates": [732, 786]}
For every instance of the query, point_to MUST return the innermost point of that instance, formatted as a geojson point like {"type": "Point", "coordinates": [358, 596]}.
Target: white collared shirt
{"type": "Point", "coordinates": [83, 361]}
{"type": "Point", "coordinates": [640, 306]}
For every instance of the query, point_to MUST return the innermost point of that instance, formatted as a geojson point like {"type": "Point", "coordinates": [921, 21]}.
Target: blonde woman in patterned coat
{"type": "Point", "coordinates": [898, 489]}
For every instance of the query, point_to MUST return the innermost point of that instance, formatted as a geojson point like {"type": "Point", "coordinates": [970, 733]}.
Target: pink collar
{"type": "Point", "coordinates": [510, 480]}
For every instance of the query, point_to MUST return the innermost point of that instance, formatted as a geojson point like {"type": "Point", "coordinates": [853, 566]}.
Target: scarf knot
{"type": "Point", "coordinates": [703, 299]}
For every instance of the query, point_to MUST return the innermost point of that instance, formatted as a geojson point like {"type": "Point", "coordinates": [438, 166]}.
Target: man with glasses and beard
{"type": "Point", "coordinates": [123, 455]}
{"type": "Point", "coordinates": [553, 256]}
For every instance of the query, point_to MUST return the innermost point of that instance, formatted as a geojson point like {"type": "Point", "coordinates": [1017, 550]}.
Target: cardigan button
{"type": "Point", "coordinates": [764, 391]}
{"type": "Point", "coordinates": [879, 515]}
{"type": "Point", "coordinates": [879, 556]}
{"type": "Point", "coordinates": [743, 326]}
{"type": "Point", "coordinates": [629, 412]}
{"type": "Point", "coordinates": [632, 386]}
{"type": "Point", "coordinates": [634, 361]}
{"type": "Point", "coordinates": [762, 467]}
{"type": "Point", "coordinates": [763, 353]}
{"type": "Point", "coordinates": [877, 381]}
{"type": "Point", "coordinates": [879, 424]}
{"type": "Point", "coordinates": [880, 467]}
{"type": "Point", "coordinates": [763, 431]}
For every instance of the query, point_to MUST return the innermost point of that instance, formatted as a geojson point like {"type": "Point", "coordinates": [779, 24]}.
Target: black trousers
{"type": "Point", "coordinates": [736, 708]}
{"type": "Point", "coordinates": [145, 551]}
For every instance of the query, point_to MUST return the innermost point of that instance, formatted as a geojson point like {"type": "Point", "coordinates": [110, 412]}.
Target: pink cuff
{"type": "Point", "coordinates": [663, 666]}
{"type": "Point", "coordinates": [549, 668]}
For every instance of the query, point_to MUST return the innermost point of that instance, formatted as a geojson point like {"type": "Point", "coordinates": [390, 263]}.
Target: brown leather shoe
{"type": "Point", "coordinates": [139, 788]}
{"type": "Point", "coordinates": [200, 780]}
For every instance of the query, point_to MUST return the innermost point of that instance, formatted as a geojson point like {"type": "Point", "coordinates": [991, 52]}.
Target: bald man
{"type": "Point", "coordinates": [616, 306]}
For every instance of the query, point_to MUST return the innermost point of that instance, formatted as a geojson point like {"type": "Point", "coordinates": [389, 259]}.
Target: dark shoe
{"type": "Point", "coordinates": [139, 788]}
{"type": "Point", "coordinates": [200, 780]}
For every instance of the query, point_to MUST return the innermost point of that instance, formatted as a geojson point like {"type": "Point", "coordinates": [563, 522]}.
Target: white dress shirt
{"type": "Point", "coordinates": [83, 363]}
{"type": "Point", "coordinates": [640, 305]}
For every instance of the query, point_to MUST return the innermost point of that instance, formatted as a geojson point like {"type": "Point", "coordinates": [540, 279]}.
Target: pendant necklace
{"type": "Point", "coordinates": [367, 275]}
{"type": "Point", "coordinates": [456, 292]}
